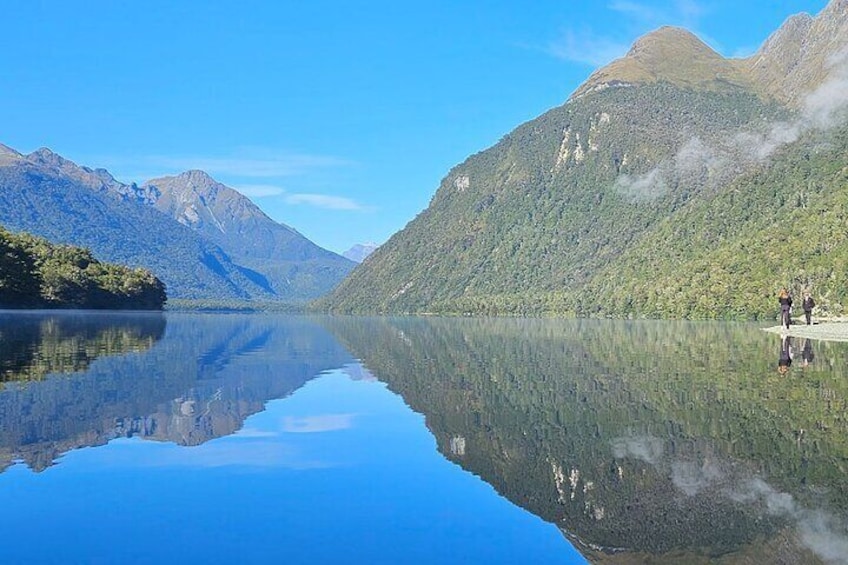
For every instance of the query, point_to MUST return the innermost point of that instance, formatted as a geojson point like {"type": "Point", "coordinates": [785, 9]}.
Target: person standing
{"type": "Point", "coordinates": [785, 300]}
{"type": "Point", "coordinates": [808, 304]}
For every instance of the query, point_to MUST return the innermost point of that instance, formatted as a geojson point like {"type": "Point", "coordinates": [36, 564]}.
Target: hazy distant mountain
{"type": "Point", "coordinates": [52, 197]}
{"type": "Point", "coordinates": [286, 263]}
{"type": "Point", "coordinates": [673, 183]}
{"type": "Point", "coordinates": [360, 251]}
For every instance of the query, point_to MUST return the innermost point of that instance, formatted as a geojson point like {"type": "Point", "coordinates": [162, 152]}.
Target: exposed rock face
{"type": "Point", "coordinates": [288, 262]}
{"type": "Point", "coordinates": [802, 55]}
{"type": "Point", "coordinates": [197, 200]}
{"type": "Point", "coordinates": [9, 156]}
{"type": "Point", "coordinates": [360, 251]}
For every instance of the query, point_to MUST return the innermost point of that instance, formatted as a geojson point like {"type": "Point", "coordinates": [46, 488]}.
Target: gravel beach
{"type": "Point", "coordinates": [825, 331]}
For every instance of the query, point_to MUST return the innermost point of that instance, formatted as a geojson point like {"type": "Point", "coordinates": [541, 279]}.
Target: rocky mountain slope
{"type": "Point", "coordinates": [290, 264]}
{"type": "Point", "coordinates": [52, 197]}
{"type": "Point", "coordinates": [674, 183]}
{"type": "Point", "coordinates": [360, 251]}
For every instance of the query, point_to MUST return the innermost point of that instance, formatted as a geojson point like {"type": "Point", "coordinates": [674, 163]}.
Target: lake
{"type": "Point", "coordinates": [253, 438]}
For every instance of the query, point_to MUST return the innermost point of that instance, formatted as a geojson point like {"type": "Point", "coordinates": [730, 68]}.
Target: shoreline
{"type": "Point", "coordinates": [822, 331]}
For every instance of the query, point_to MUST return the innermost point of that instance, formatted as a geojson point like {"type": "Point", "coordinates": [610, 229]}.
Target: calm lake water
{"type": "Point", "coordinates": [159, 438]}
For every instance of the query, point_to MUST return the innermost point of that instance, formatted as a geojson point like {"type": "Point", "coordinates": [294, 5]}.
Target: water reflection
{"type": "Point", "coordinates": [645, 441]}
{"type": "Point", "coordinates": [807, 355]}
{"type": "Point", "coordinates": [784, 360]}
{"type": "Point", "coordinates": [33, 345]}
{"type": "Point", "coordinates": [187, 384]}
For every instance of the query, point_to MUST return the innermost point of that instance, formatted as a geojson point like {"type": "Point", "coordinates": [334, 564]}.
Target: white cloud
{"type": "Point", "coordinates": [260, 190]}
{"type": "Point", "coordinates": [250, 433]}
{"type": "Point", "coordinates": [685, 13]}
{"type": "Point", "coordinates": [646, 448]}
{"type": "Point", "coordinates": [648, 186]}
{"type": "Point", "coordinates": [244, 163]}
{"type": "Point", "coordinates": [822, 109]}
{"type": "Point", "coordinates": [317, 424]}
{"type": "Point", "coordinates": [587, 48]}
{"type": "Point", "coordinates": [261, 166]}
{"type": "Point", "coordinates": [642, 13]}
{"type": "Point", "coordinates": [255, 449]}
{"type": "Point", "coordinates": [325, 201]}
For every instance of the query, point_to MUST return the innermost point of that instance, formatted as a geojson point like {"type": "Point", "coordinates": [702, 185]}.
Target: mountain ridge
{"type": "Point", "coordinates": [52, 197]}
{"type": "Point", "coordinates": [290, 262]}
{"type": "Point", "coordinates": [565, 214]}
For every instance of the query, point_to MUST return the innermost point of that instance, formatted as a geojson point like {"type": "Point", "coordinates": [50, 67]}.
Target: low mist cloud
{"type": "Point", "coordinates": [699, 164]}
{"type": "Point", "coordinates": [645, 448]}
{"type": "Point", "coordinates": [818, 530]}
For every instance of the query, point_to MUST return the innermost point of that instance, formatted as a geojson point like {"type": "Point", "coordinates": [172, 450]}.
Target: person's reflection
{"type": "Point", "coordinates": [785, 359]}
{"type": "Point", "coordinates": [807, 353]}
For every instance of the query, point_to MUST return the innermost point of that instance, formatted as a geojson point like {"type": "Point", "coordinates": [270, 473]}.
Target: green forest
{"type": "Point", "coordinates": [657, 212]}
{"type": "Point", "coordinates": [35, 273]}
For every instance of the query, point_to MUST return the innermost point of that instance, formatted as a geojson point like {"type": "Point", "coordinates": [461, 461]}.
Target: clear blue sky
{"type": "Point", "coordinates": [337, 118]}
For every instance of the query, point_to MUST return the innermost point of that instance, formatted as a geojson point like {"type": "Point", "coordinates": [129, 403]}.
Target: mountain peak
{"type": "Point", "coordinates": [9, 156]}
{"type": "Point", "coordinates": [197, 200]}
{"type": "Point", "coordinates": [668, 54]}
{"type": "Point", "coordinates": [656, 42]}
{"type": "Point", "coordinates": [360, 251]}
{"type": "Point", "coordinates": [98, 179]}
{"type": "Point", "coordinates": [197, 177]}
{"type": "Point", "coordinates": [802, 55]}
{"type": "Point", "coordinates": [45, 156]}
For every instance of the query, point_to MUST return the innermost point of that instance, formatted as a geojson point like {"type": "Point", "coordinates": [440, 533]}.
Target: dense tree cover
{"type": "Point", "coordinates": [647, 202]}
{"type": "Point", "coordinates": [639, 435]}
{"type": "Point", "coordinates": [35, 273]}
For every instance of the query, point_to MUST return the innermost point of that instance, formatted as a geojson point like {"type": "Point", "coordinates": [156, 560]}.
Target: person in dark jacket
{"type": "Point", "coordinates": [785, 300]}
{"type": "Point", "coordinates": [808, 304]}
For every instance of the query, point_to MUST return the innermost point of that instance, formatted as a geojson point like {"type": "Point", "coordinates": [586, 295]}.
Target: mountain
{"type": "Point", "coordinates": [360, 251]}
{"type": "Point", "coordinates": [284, 261]}
{"type": "Point", "coordinates": [49, 196]}
{"type": "Point", "coordinates": [673, 183]}
{"type": "Point", "coordinates": [657, 57]}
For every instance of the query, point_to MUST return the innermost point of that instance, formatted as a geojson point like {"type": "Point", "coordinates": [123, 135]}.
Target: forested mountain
{"type": "Point", "coordinates": [37, 274]}
{"type": "Point", "coordinates": [52, 197]}
{"type": "Point", "coordinates": [673, 183]}
{"type": "Point", "coordinates": [285, 263]}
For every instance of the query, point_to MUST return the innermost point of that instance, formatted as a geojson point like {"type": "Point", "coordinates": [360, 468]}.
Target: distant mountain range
{"type": "Point", "coordinates": [673, 183]}
{"type": "Point", "coordinates": [360, 251]}
{"type": "Point", "coordinates": [204, 240]}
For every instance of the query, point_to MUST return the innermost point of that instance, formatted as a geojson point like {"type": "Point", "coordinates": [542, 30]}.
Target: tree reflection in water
{"type": "Point", "coordinates": [661, 441]}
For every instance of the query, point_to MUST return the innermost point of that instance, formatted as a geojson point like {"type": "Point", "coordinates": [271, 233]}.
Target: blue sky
{"type": "Point", "coordinates": [336, 118]}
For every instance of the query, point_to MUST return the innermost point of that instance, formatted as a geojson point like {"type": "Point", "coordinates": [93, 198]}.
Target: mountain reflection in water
{"type": "Point", "coordinates": [197, 383]}
{"type": "Point", "coordinates": [642, 441]}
